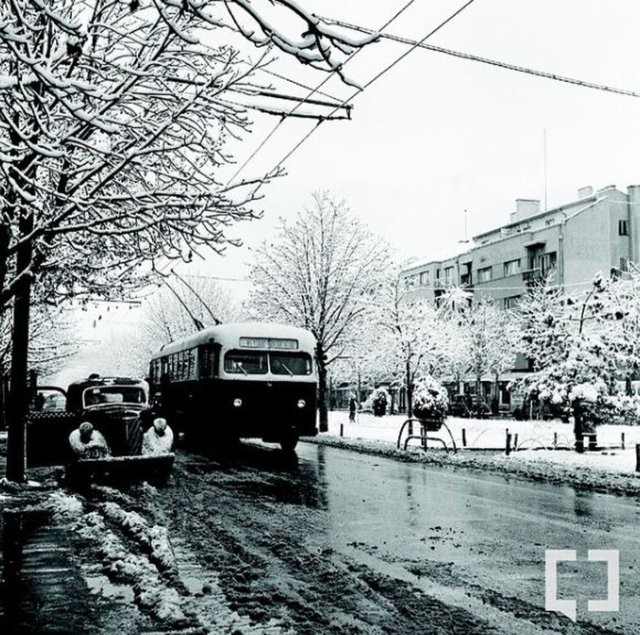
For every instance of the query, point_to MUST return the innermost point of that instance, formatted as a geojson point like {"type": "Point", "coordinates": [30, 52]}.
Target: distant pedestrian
{"type": "Point", "coordinates": [353, 406]}
{"type": "Point", "coordinates": [158, 439]}
{"type": "Point", "coordinates": [87, 443]}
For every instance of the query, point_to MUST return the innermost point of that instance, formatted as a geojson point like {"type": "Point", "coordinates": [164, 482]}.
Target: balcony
{"type": "Point", "coordinates": [533, 277]}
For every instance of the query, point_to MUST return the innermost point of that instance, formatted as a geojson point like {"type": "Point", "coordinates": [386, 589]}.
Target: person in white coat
{"type": "Point", "coordinates": [158, 439]}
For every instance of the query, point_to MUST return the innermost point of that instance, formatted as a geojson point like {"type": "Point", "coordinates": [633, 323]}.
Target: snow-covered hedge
{"type": "Point", "coordinates": [430, 399]}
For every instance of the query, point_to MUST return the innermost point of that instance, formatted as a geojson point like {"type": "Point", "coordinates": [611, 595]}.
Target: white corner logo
{"type": "Point", "coordinates": [568, 607]}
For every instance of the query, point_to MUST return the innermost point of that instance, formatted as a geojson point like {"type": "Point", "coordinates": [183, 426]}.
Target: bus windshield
{"type": "Point", "coordinates": [290, 363]}
{"type": "Point", "coordinates": [245, 363]}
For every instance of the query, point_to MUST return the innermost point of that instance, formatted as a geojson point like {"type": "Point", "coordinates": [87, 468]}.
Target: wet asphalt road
{"type": "Point", "coordinates": [333, 541]}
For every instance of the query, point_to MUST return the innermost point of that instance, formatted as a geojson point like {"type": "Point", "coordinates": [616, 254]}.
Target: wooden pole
{"type": "Point", "coordinates": [637, 457]}
{"type": "Point", "coordinates": [622, 440]}
{"type": "Point", "coordinates": [342, 429]}
{"type": "Point", "coordinates": [464, 437]}
{"type": "Point", "coordinates": [508, 443]}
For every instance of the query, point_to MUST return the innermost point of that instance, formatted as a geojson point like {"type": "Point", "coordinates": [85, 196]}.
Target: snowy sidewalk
{"type": "Point", "coordinates": [483, 434]}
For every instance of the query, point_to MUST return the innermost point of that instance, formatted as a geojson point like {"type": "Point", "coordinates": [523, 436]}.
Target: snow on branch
{"type": "Point", "coordinates": [114, 123]}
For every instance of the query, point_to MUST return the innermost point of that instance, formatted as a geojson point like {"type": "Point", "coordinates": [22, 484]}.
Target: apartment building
{"type": "Point", "coordinates": [599, 231]}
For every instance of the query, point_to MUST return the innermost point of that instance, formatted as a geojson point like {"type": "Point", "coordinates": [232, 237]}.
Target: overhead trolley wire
{"type": "Point", "coordinates": [385, 70]}
{"type": "Point", "coordinates": [486, 60]}
{"type": "Point", "coordinates": [311, 93]}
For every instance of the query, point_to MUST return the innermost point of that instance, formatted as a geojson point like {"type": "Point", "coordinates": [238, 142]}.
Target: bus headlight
{"type": "Point", "coordinates": [237, 402]}
{"type": "Point", "coordinates": [301, 403]}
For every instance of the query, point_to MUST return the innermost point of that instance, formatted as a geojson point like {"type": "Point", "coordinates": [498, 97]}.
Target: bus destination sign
{"type": "Point", "coordinates": [271, 343]}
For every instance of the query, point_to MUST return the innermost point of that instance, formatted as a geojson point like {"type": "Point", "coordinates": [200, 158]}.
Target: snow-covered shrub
{"type": "Point", "coordinates": [380, 400]}
{"type": "Point", "coordinates": [430, 399]}
{"type": "Point", "coordinates": [590, 392]}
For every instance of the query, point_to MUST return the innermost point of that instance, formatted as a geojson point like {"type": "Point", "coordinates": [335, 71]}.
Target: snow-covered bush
{"type": "Point", "coordinates": [380, 400]}
{"type": "Point", "coordinates": [590, 392]}
{"type": "Point", "coordinates": [430, 399]}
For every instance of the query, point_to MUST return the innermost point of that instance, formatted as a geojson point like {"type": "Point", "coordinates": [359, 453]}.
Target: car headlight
{"type": "Point", "coordinates": [301, 403]}
{"type": "Point", "coordinates": [237, 402]}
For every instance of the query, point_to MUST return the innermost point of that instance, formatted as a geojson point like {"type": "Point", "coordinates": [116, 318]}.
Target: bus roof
{"type": "Point", "coordinates": [228, 336]}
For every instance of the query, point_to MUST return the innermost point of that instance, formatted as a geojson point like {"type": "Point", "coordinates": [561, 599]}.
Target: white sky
{"type": "Point", "coordinates": [438, 134]}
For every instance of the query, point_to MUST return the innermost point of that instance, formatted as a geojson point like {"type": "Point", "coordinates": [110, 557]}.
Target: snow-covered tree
{"type": "Point", "coordinates": [172, 311]}
{"type": "Point", "coordinates": [319, 273]}
{"type": "Point", "coordinates": [401, 339]}
{"type": "Point", "coordinates": [491, 339]}
{"type": "Point", "coordinates": [113, 123]}
{"type": "Point", "coordinates": [483, 338]}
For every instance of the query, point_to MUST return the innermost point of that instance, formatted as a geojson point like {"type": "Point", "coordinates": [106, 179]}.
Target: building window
{"type": "Point", "coordinates": [484, 274]}
{"type": "Point", "coordinates": [623, 228]}
{"type": "Point", "coordinates": [448, 275]}
{"type": "Point", "coordinates": [425, 278]}
{"type": "Point", "coordinates": [411, 281]}
{"type": "Point", "coordinates": [511, 302]}
{"type": "Point", "coordinates": [512, 267]}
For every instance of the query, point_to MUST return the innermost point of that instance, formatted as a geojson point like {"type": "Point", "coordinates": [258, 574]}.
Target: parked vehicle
{"type": "Point", "coordinates": [543, 410]}
{"type": "Point", "coordinates": [469, 406]}
{"type": "Point", "coordinates": [233, 381]}
{"type": "Point", "coordinates": [113, 405]}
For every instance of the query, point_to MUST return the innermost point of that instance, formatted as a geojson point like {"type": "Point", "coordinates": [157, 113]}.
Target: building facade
{"type": "Point", "coordinates": [597, 232]}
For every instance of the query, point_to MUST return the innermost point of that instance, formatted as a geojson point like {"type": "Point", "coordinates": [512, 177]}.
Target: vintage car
{"type": "Point", "coordinates": [469, 406]}
{"type": "Point", "coordinates": [115, 406]}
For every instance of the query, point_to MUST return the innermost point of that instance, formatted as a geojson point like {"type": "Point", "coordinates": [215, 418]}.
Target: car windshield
{"type": "Point", "coordinates": [113, 394]}
{"type": "Point", "coordinates": [245, 363]}
{"type": "Point", "coordinates": [290, 363]}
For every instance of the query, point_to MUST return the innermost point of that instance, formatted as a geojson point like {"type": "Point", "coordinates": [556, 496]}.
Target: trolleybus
{"type": "Point", "coordinates": [239, 380]}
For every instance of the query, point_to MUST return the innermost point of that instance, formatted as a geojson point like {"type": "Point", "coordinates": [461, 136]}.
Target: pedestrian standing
{"type": "Point", "coordinates": [353, 406]}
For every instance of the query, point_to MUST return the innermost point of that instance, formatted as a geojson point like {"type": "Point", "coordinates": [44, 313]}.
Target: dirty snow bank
{"type": "Point", "coordinates": [555, 466]}
{"type": "Point", "coordinates": [134, 552]}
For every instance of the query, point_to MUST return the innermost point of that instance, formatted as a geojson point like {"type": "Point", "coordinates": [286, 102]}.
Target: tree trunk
{"type": "Point", "coordinates": [19, 392]}
{"type": "Point", "coordinates": [409, 391]}
{"type": "Point", "coordinates": [578, 427]}
{"type": "Point", "coordinates": [322, 390]}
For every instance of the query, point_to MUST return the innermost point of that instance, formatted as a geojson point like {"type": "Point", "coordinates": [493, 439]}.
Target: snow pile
{"type": "Point", "coordinates": [154, 538]}
{"type": "Point", "coordinates": [121, 565]}
{"type": "Point", "coordinates": [64, 504]}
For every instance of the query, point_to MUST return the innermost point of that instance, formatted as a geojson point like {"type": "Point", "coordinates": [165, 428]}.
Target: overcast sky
{"type": "Point", "coordinates": [437, 135]}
